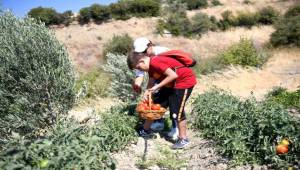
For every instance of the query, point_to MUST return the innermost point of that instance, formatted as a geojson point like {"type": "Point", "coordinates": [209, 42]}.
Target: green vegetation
{"type": "Point", "coordinates": [85, 15]}
{"type": "Point", "coordinates": [195, 4]}
{"type": "Point", "coordinates": [216, 3]}
{"type": "Point", "coordinates": [176, 22]}
{"type": "Point", "coordinates": [247, 131]}
{"type": "Point", "coordinates": [121, 77]}
{"type": "Point", "coordinates": [281, 96]}
{"type": "Point", "coordinates": [37, 78]}
{"type": "Point", "coordinates": [71, 145]}
{"type": "Point", "coordinates": [93, 84]}
{"type": "Point", "coordinates": [119, 44]}
{"type": "Point", "coordinates": [243, 53]}
{"type": "Point", "coordinates": [267, 15]}
{"type": "Point", "coordinates": [167, 159]}
{"type": "Point", "coordinates": [201, 23]}
{"type": "Point", "coordinates": [287, 29]}
{"type": "Point", "coordinates": [100, 13]}
{"type": "Point", "coordinates": [119, 11]}
{"type": "Point", "coordinates": [143, 8]}
{"type": "Point", "coordinates": [50, 17]}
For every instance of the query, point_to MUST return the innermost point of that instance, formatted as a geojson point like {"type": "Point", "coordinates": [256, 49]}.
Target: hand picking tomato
{"type": "Point", "coordinates": [155, 107]}
{"type": "Point", "coordinates": [281, 149]}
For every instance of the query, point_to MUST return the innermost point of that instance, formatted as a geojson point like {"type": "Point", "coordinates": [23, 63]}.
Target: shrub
{"type": "Point", "coordinates": [93, 83]}
{"type": "Point", "coordinates": [121, 77]}
{"type": "Point", "coordinates": [144, 8]}
{"type": "Point", "coordinates": [243, 53]}
{"type": "Point", "coordinates": [209, 65]}
{"type": "Point", "coordinates": [282, 96]}
{"type": "Point", "coordinates": [37, 78]}
{"type": "Point", "coordinates": [287, 29]}
{"type": "Point", "coordinates": [268, 15]}
{"type": "Point", "coordinates": [216, 3]}
{"type": "Point", "coordinates": [176, 20]}
{"type": "Point", "coordinates": [201, 24]}
{"type": "Point", "coordinates": [247, 131]}
{"type": "Point", "coordinates": [119, 44]}
{"type": "Point", "coordinates": [293, 11]}
{"type": "Point", "coordinates": [247, 19]}
{"type": "Point", "coordinates": [47, 15]}
{"type": "Point", "coordinates": [195, 4]}
{"type": "Point", "coordinates": [74, 146]}
{"type": "Point", "coordinates": [85, 15]}
{"type": "Point", "coordinates": [119, 10]}
{"type": "Point", "coordinates": [100, 13]}
{"type": "Point", "coordinates": [227, 21]}
{"type": "Point", "coordinates": [66, 17]}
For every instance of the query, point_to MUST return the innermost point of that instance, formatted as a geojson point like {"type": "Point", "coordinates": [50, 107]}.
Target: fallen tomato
{"type": "Point", "coordinates": [285, 142]}
{"type": "Point", "coordinates": [282, 149]}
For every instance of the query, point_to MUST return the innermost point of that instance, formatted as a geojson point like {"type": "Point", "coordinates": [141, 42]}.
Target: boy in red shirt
{"type": "Point", "coordinates": [173, 75]}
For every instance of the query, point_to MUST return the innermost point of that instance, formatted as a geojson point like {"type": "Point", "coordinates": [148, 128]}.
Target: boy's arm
{"type": "Point", "coordinates": [151, 82]}
{"type": "Point", "coordinates": [137, 84]}
{"type": "Point", "coordinates": [170, 76]}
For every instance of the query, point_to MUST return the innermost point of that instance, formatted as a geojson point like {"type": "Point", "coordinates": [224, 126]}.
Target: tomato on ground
{"type": "Point", "coordinates": [282, 149]}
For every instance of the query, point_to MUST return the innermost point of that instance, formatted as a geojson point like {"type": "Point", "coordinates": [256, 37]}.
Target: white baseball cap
{"type": "Point", "coordinates": [141, 44]}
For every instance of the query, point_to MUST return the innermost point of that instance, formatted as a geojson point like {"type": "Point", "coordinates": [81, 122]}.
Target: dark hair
{"type": "Point", "coordinates": [133, 59]}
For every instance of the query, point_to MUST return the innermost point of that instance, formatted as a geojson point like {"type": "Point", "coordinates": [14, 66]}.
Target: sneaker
{"type": "Point", "coordinates": [181, 143]}
{"type": "Point", "coordinates": [157, 126]}
{"type": "Point", "coordinates": [173, 134]}
{"type": "Point", "coordinates": [145, 133]}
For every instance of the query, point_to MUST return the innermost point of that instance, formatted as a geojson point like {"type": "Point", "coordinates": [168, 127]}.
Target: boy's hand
{"type": "Point", "coordinates": [154, 88]}
{"type": "Point", "coordinates": [146, 94]}
{"type": "Point", "coordinates": [137, 88]}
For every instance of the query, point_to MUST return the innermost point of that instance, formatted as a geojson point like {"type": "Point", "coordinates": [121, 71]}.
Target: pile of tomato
{"type": "Point", "coordinates": [145, 105]}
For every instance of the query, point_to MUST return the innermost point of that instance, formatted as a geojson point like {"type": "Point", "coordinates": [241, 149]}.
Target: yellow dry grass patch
{"type": "Point", "coordinates": [283, 69]}
{"type": "Point", "coordinates": [239, 5]}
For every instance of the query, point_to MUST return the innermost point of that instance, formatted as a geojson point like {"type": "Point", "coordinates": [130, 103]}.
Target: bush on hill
{"type": "Point", "coordinates": [201, 23]}
{"type": "Point", "coordinates": [100, 13]}
{"type": "Point", "coordinates": [287, 29]}
{"type": "Point", "coordinates": [119, 10]}
{"type": "Point", "coordinates": [244, 53]}
{"type": "Point", "coordinates": [175, 20]}
{"type": "Point", "coordinates": [47, 15]}
{"type": "Point", "coordinates": [195, 4]}
{"type": "Point", "coordinates": [119, 44]}
{"type": "Point", "coordinates": [144, 8]}
{"type": "Point", "coordinates": [85, 15]}
{"type": "Point", "coordinates": [268, 15]}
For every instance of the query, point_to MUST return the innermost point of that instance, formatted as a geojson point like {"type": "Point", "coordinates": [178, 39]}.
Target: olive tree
{"type": "Point", "coordinates": [36, 77]}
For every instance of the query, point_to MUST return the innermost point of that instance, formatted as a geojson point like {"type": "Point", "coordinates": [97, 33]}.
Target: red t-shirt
{"type": "Point", "coordinates": [158, 65]}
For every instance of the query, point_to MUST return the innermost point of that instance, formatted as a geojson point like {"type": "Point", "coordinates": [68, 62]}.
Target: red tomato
{"type": "Point", "coordinates": [282, 149]}
{"type": "Point", "coordinates": [155, 107]}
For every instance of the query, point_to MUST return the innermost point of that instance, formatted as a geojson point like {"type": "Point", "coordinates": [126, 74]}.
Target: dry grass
{"type": "Point", "coordinates": [85, 45]}
{"type": "Point", "coordinates": [283, 69]}
{"type": "Point", "coordinates": [239, 5]}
